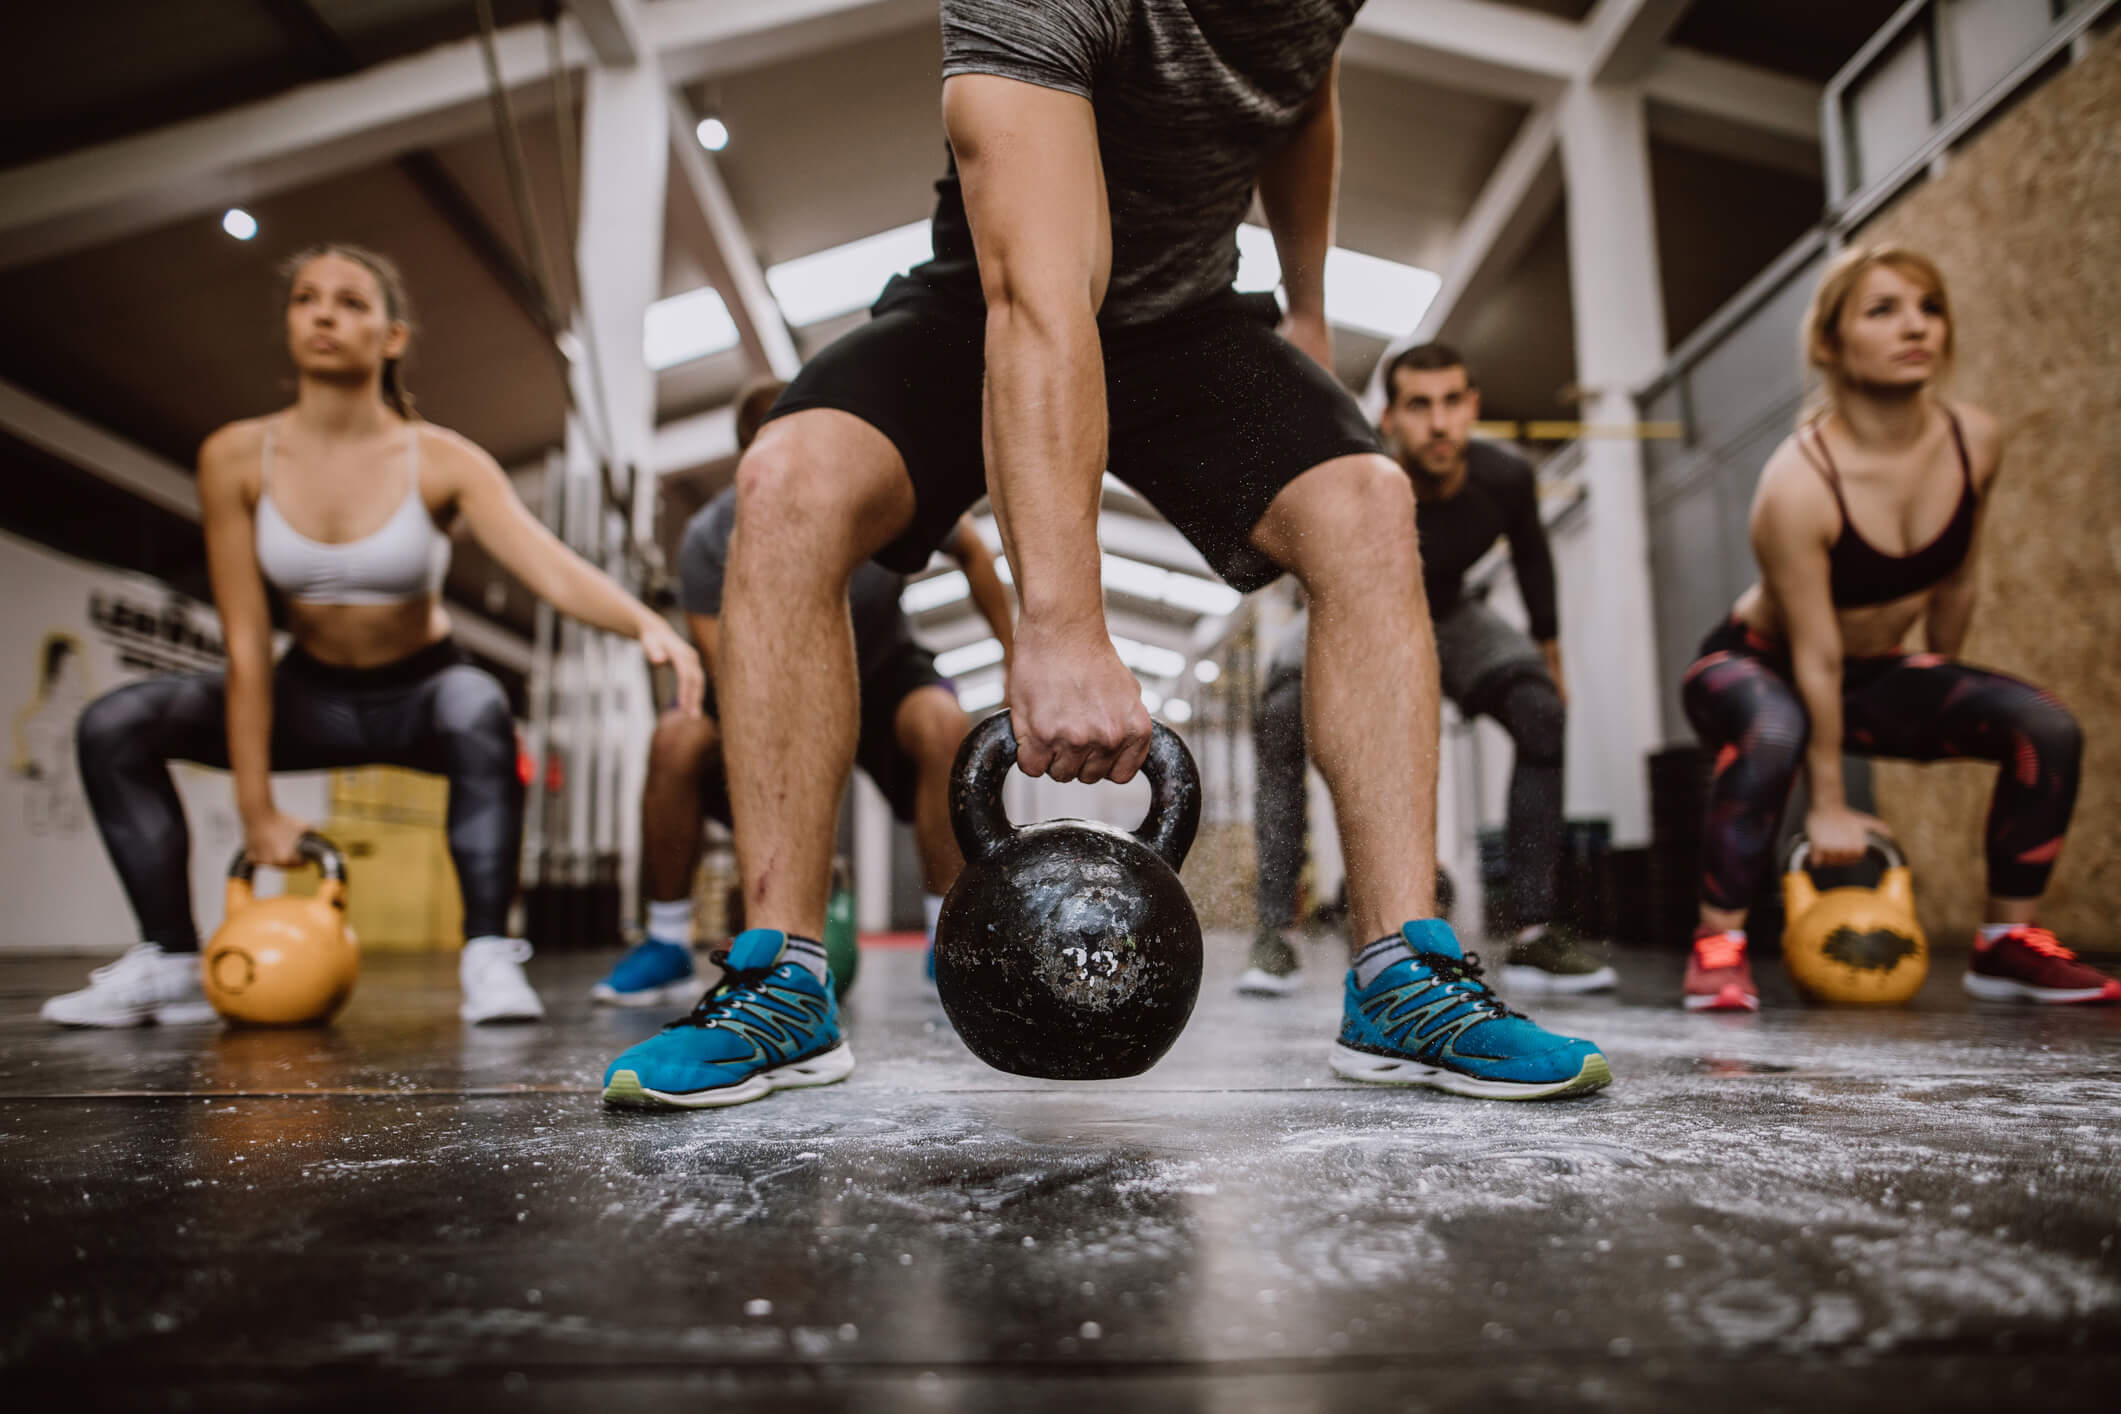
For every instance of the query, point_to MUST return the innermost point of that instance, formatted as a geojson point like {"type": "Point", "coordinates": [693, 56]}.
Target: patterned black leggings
{"type": "Point", "coordinates": [1742, 698]}
{"type": "Point", "coordinates": [432, 712]}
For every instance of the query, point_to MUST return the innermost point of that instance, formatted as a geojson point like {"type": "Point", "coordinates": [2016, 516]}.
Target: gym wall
{"type": "Point", "coordinates": [76, 631]}
{"type": "Point", "coordinates": [2024, 224]}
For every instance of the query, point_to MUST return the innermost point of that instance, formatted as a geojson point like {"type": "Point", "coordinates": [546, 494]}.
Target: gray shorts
{"type": "Point", "coordinates": [1478, 655]}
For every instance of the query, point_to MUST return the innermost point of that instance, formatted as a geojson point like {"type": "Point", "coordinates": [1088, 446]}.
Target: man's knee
{"type": "Point", "coordinates": [682, 745]}
{"type": "Point", "coordinates": [1532, 712]}
{"type": "Point", "coordinates": [819, 490]}
{"type": "Point", "coordinates": [1350, 518]}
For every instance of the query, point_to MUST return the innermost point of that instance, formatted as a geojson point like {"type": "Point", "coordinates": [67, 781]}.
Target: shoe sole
{"type": "Point", "coordinates": [1351, 1064]}
{"type": "Point", "coordinates": [2003, 989]}
{"type": "Point", "coordinates": [1559, 984]}
{"type": "Point", "coordinates": [1258, 982]}
{"type": "Point", "coordinates": [176, 1014]}
{"type": "Point", "coordinates": [683, 992]}
{"type": "Point", "coordinates": [625, 1090]}
{"type": "Point", "coordinates": [1720, 1002]}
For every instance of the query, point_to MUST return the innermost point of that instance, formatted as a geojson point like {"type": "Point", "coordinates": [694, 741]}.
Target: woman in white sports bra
{"type": "Point", "coordinates": [343, 502]}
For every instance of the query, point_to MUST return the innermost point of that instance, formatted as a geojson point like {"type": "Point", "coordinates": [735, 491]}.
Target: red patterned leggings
{"type": "Point", "coordinates": [1741, 697]}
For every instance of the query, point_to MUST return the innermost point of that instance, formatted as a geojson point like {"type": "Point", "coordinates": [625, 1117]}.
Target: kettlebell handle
{"type": "Point", "coordinates": [1800, 854]}
{"type": "Point", "coordinates": [312, 847]}
{"type": "Point", "coordinates": [989, 754]}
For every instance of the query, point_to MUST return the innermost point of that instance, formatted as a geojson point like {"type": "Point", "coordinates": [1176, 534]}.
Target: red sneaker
{"type": "Point", "coordinates": [1718, 978]}
{"type": "Point", "coordinates": [2027, 964]}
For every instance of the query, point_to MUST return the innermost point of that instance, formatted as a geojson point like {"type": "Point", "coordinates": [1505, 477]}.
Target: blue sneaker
{"type": "Point", "coordinates": [769, 1025]}
{"type": "Point", "coordinates": [654, 974]}
{"type": "Point", "coordinates": [1429, 1020]}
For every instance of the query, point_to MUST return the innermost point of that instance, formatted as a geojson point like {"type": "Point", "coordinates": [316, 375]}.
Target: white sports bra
{"type": "Point", "coordinates": [406, 559]}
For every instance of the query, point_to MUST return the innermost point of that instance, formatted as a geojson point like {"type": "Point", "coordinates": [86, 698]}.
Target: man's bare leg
{"type": "Point", "coordinates": [819, 492]}
{"type": "Point", "coordinates": [1345, 528]}
{"type": "Point", "coordinates": [930, 727]}
{"type": "Point", "coordinates": [679, 752]}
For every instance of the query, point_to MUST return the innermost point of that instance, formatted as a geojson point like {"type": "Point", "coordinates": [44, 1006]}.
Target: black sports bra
{"type": "Point", "coordinates": [1861, 574]}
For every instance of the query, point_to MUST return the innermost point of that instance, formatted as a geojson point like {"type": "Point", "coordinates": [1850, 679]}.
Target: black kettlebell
{"type": "Point", "coordinates": [1068, 950]}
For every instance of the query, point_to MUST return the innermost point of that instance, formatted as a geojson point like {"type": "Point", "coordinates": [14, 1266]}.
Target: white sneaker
{"type": "Point", "coordinates": [146, 986]}
{"type": "Point", "coordinates": [495, 989]}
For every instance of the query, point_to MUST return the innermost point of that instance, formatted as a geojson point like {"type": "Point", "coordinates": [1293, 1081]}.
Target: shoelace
{"type": "Point", "coordinates": [2043, 942]}
{"type": "Point", "coordinates": [1463, 976]}
{"type": "Point", "coordinates": [733, 993]}
{"type": "Point", "coordinates": [1718, 951]}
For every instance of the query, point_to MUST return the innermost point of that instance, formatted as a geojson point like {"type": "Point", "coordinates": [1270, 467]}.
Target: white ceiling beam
{"type": "Point", "coordinates": [1626, 36]}
{"type": "Point", "coordinates": [1736, 93]}
{"type": "Point", "coordinates": [251, 151]}
{"type": "Point", "coordinates": [1521, 194]}
{"type": "Point", "coordinates": [759, 325]}
{"type": "Point", "coordinates": [704, 39]}
{"type": "Point", "coordinates": [112, 458]}
{"type": "Point", "coordinates": [1476, 46]}
{"type": "Point", "coordinates": [614, 30]}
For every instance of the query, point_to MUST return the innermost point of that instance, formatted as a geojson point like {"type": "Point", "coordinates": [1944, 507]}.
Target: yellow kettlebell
{"type": "Point", "coordinates": [1853, 944]}
{"type": "Point", "coordinates": [285, 961]}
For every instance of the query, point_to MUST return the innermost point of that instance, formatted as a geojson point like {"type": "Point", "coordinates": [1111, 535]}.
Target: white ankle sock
{"type": "Point", "coordinates": [1991, 932]}
{"type": "Point", "coordinates": [670, 921]}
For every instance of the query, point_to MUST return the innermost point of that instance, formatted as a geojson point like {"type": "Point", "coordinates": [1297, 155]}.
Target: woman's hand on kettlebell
{"type": "Point", "coordinates": [1838, 835]}
{"type": "Point", "coordinates": [274, 840]}
{"type": "Point", "coordinates": [1075, 708]}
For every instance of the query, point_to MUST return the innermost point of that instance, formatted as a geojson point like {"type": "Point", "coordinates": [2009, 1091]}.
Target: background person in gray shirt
{"type": "Point", "coordinates": [1468, 495]}
{"type": "Point", "coordinates": [911, 726]}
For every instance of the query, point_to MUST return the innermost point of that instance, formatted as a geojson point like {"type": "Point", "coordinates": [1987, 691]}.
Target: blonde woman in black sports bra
{"type": "Point", "coordinates": [343, 502]}
{"type": "Point", "coordinates": [1867, 522]}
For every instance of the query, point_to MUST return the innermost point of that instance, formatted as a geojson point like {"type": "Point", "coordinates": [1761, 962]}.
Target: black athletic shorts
{"type": "Point", "coordinates": [1212, 413]}
{"type": "Point", "coordinates": [876, 750]}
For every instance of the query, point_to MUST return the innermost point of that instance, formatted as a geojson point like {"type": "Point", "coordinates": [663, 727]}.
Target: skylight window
{"type": "Point", "coordinates": [814, 288]}
{"type": "Point", "coordinates": [686, 327]}
{"type": "Point", "coordinates": [1363, 292]}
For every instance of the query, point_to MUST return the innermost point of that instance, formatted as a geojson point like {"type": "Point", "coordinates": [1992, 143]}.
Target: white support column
{"type": "Point", "coordinates": [1620, 344]}
{"type": "Point", "coordinates": [625, 173]}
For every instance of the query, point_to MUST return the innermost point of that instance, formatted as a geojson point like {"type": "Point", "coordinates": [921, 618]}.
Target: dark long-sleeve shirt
{"type": "Point", "coordinates": [1500, 497]}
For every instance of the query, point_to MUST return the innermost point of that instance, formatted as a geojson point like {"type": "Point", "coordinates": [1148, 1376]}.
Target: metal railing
{"type": "Point", "coordinates": [1957, 61]}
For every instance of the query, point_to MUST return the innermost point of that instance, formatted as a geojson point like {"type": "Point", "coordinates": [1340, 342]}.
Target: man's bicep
{"type": "Point", "coordinates": [1034, 188]}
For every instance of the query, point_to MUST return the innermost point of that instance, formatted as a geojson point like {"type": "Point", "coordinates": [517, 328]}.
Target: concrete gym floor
{"type": "Point", "coordinates": [1805, 1208]}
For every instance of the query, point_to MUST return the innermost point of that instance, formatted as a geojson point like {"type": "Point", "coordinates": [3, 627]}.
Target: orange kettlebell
{"type": "Point", "coordinates": [286, 961]}
{"type": "Point", "coordinates": [1853, 944]}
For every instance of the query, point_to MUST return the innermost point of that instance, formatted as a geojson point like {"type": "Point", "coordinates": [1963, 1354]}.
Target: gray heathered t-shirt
{"type": "Point", "coordinates": [880, 626]}
{"type": "Point", "coordinates": [1190, 97]}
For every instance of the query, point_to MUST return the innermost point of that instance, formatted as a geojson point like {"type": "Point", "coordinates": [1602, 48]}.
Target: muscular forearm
{"type": "Point", "coordinates": [1045, 445]}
